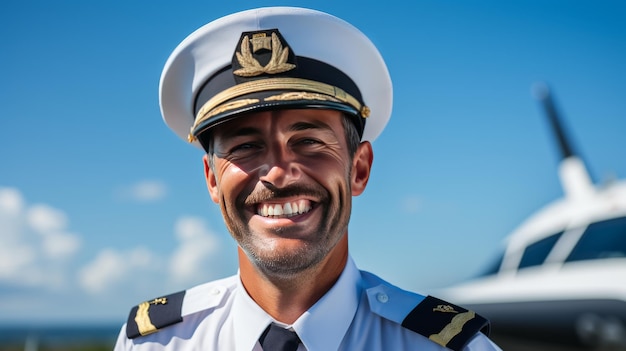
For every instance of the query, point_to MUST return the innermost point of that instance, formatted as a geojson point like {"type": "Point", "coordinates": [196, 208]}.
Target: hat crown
{"type": "Point", "coordinates": [281, 50]}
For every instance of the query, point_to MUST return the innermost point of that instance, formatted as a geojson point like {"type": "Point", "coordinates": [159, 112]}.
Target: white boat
{"type": "Point", "coordinates": [560, 283]}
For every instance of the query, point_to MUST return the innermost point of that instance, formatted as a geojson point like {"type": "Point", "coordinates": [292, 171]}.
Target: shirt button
{"type": "Point", "coordinates": [382, 297]}
{"type": "Point", "coordinates": [215, 291]}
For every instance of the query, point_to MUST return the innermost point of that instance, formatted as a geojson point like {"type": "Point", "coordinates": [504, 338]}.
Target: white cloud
{"type": "Point", "coordinates": [140, 269]}
{"type": "Point", "coordinates": [197, 245]}
{"type": "Point", "coordinates": [38, 254]}
{"type": "Point", "coordinates": [50, 223]}
{"type": "Point", "coordinates": [45, 219]}
{"type": "Point", "coordinates": [111, 268]}
{"type": "Point", "coordinates": [141, 257]}
{"type": "Point", "coordinates": [59, 245]}
{"type": "Point", "coordinates": [11, 207]}
{"type": "Point", "coordinates": [144, 191]}
{"type": "Point", "coordinates": [35, 243]}
{"type": "Point", "coordinates": [11, 201]}
{"type": "Point", "coordinates": [107, 268]}
{"type": "Point", "coordinates": [14, 259]}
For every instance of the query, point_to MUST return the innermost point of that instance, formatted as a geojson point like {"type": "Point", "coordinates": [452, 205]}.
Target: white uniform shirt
{"type": "Point", "coordinates": [360, 312]}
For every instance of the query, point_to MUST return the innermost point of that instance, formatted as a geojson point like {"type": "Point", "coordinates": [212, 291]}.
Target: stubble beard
{"type": "Point", "coordinates": [287, 265]}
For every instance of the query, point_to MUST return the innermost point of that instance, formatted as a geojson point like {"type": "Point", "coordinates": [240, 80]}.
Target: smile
{"type": "Point", "coordinates": [286, 210]}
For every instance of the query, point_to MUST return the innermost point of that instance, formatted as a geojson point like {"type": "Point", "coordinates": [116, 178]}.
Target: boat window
{"type": "Point", "coordinates": [535, 254]}
{"type": "Point", "coordinates": [606, 239]}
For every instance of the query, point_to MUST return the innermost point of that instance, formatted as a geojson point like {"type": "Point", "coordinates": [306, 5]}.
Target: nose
{"type": "Point", "coordinates": [281, 167]}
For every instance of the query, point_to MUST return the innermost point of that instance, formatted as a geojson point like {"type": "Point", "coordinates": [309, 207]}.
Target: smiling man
{"type": "Point", "coordinates": [285, 102]}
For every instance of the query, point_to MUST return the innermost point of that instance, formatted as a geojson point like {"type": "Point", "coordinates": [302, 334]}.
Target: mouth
{"type": "Point", "coordinates": [284, 210]}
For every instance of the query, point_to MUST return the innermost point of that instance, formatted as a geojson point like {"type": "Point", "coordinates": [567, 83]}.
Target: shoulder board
{"type": "Point", "coordinates": [446, 324]}
{"type": "Point", "coordinates": [150, 316]}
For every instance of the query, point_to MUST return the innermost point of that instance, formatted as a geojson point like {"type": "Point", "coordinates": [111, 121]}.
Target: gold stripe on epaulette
{"type": "Point", "coordinates": [453, 328]}
{"type": "Point", "coordinates": [142, 318]}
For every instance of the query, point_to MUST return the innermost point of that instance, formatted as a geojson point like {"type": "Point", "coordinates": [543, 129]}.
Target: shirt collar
{"type": "Point", "coordinates": [316, 330]}
{"type": "Point", "coordinates": [249, 320]}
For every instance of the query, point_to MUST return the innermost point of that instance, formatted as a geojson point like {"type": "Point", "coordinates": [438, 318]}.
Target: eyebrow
{"type": "Point", "coordinates": [236, 132]}
{"type": "Point", "coordinates": [295, 127]}
{"type": "Point", "coordinates": [299, 126]}
{"type": "Point", "coordinates": [228, 133]}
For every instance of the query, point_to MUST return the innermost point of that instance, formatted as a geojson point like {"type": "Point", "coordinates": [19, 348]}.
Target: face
{"type": "Point", "coordinates": [284, 181]}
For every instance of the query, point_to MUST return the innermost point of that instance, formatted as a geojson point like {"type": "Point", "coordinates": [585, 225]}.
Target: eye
{"type": "Point", "coordinates": [308, 141]}
{"type": "Point", "coordinates": [242, 150]}
{"type": "Point", "coordinates": [245, 147]}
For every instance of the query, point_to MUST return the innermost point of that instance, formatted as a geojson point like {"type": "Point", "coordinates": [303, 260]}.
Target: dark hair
{"type": "Point", "coordinates": [352, 134]}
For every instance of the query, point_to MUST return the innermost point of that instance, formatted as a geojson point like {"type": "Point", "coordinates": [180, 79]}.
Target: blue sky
{"type": "Point", "coordinates": [101, 206]}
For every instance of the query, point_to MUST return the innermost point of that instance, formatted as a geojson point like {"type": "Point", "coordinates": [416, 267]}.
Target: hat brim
{"type": "Point", "coordinates": [259, 102]}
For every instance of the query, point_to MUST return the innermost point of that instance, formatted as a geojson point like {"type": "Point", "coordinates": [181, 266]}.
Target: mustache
{"type": "Point", "coordinates": [261, 194]}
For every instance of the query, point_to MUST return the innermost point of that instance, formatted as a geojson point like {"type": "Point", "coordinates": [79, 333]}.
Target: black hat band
{"type": "Point", "coordinates": [290, 89]}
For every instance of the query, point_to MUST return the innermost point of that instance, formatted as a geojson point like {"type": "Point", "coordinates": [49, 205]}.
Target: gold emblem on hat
{"type": "Point", "coordinates": [251, 67]}
{"type": "Point", "coordinates": [261, 41]}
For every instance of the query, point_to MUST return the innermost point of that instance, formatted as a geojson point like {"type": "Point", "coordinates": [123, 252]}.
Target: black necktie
{"type": "Point", "coordinates": [276, 338]}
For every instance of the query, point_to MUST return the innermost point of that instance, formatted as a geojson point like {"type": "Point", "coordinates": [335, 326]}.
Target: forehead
{"type": "Point", "coordinates": [290, 119]}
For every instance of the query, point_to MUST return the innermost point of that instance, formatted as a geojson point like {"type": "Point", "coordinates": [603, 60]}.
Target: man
{"type": "Point", "coordinates": [285, 102]}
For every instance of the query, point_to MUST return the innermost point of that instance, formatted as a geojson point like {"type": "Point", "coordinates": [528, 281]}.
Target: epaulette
{"type": "Point", "coordinates": [150, 316]}
{"type": "Point", "coordinates": [446, 324]}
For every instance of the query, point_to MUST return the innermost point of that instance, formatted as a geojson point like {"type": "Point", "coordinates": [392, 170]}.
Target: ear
{"type": "Point", "coordinates": [361, 167]}
{"type": "Point", "coordinates": [211, 180]}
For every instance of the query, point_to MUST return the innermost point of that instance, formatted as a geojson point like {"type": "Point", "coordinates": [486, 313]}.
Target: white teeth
{"type": "Point", "coordinates": [278, 210]}
{"type": "Point", "coordinates": [304, 207]}
{"type": "Point", "coordinates": [288, 209]}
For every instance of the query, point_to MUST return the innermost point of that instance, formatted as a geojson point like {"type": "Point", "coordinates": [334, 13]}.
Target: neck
{"type": "Point", "coordinates": [287, 298]}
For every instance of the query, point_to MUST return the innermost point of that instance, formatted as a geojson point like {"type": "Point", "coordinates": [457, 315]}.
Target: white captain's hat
{"type": "Point", "coordinates": [274, 58]}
